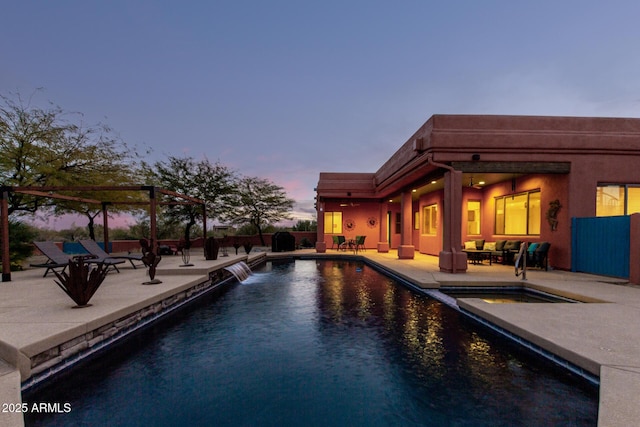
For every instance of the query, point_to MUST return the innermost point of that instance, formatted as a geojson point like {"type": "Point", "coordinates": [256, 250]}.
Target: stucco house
{"type": "Point", "coordinates": [465, 177]}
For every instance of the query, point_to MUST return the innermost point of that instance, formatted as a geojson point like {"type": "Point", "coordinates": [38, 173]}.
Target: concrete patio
{"type": "Point", "coordinates": [600, 335]}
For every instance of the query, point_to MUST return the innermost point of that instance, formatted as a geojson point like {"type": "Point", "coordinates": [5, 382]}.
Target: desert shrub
{"type": "Point", "coordinates": [21, 237]}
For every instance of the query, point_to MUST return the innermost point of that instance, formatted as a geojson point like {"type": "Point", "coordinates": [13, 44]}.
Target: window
{"type": "Point", "coordinates": [430, 219]}
{"type": "Point", "coordinates": [518, 214]}
{"type": "Point", "coordinates": [333, 222]}
{"type": "Point", "coordinates": [614, 200]}
{"type": "Point", "coordinates": [473, 217]}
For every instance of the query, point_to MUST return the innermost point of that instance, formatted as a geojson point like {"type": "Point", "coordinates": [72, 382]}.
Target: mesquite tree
{"type": "Point", "coordinates": [260, 203]}
{"type": "Point", "coordinates": [213, 183]}
{"type": "Point", "coordinates": [52, 147]}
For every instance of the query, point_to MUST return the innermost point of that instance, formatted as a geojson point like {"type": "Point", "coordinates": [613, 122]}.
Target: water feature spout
{"type": "Point", "coordinates": [240, 270]}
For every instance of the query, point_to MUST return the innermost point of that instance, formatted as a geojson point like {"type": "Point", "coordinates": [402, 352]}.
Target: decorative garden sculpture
{"type": "Point", "coordinates": [82, 280]}
{"type": "Point", "coordinates": [151, 260]}
{"type": "Point", "coordinates": [552, 213]}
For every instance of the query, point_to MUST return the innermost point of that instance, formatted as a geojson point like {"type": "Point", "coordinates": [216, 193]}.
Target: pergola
{"type": "Point", "coordinates": [52, 192]}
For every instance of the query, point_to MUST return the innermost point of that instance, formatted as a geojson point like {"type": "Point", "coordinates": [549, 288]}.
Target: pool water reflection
{"type": "Point", "coordinates": [318, 343]}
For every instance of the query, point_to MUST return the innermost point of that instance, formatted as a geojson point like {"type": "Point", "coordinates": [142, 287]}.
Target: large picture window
{"type": "Point", "coordinates": [430, 219]}
{"type": "Point", "coordinates": [617, 199]}
{"type": "Point", "coordinates": [518, 214]}
{"type": "Point", "coordinates": [333, 222]}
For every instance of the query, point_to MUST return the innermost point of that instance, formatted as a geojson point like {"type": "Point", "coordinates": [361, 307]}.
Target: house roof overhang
{"type": "Point", "coordinates": [489, 144]}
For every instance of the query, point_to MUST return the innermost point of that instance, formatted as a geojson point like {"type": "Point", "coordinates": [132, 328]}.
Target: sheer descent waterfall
{"type": "Point", "coordinates": [240, 270]}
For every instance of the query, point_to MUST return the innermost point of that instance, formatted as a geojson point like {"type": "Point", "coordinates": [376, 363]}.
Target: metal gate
{"type": "Point", "coordinates": [601, 245]}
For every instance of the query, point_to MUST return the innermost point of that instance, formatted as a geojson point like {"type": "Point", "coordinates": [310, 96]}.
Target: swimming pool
{"type": "Point", "coordinates": [317, 343]}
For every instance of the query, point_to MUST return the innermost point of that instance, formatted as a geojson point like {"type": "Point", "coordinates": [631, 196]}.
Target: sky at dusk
{"type": "Point", "coordinates": [287, 89]}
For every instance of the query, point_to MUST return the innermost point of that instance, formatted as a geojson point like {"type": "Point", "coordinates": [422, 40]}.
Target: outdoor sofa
{"type": "Point", "coordinates": [504, 251]}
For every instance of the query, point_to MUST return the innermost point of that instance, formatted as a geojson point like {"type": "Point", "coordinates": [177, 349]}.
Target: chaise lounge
{"type": "Point", "coordinates": [94, 249]}
{"type": "Point", "coordinates": [57, 259]}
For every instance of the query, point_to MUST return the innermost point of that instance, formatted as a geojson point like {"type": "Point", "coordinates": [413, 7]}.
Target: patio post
{"type": "Point", "coordinates": [152, 219]}
{"type": "Point", "coordinates": [4, 214]}
{"type": "Point", "coordinates": [105, 227]}
{"type": "Point", "coordinates": [383, 242]}
{"type": "Point", "coordinates": [321, 245]}
{"type": "Point", "coordinates": [406, 250]}
{"type": "Point", "coordinates": [204, 222]}
{"type": "Point", "coordinates": [452, 259]}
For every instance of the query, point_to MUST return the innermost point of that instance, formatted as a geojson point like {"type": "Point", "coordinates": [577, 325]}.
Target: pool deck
{"type": "Point", "coordinates": [601, 336]}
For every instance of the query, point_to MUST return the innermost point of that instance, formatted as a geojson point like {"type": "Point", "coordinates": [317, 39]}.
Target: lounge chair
{"type": "Point", "coordinates": [59, 259]}
{"type": "Point", "coordinates": [56, 258]}
{"type": "Point", "coordinates": [94, 249]}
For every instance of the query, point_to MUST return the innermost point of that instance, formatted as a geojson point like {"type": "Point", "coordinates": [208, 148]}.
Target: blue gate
{"type": "Point", "coordinates": [601, 245]}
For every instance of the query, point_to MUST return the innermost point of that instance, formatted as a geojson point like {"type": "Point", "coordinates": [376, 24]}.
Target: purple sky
{"type": "Point", "coordinates": [287, 89]}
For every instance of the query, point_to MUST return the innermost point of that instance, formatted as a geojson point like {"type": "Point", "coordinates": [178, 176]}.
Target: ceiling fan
{"type": "Point", "coordinates": [476, 186]}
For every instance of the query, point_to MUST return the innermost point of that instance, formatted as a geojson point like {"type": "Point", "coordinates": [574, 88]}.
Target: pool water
{"type": "Point", "coordinates": [317, 343]}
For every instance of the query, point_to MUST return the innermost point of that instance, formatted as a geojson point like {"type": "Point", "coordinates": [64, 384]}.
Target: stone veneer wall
{"type": "Point", "coordinates": [66, 354]}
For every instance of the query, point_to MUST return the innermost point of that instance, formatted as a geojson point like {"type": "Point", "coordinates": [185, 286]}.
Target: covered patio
{"type": "Point", "coordinates": [460, 178]}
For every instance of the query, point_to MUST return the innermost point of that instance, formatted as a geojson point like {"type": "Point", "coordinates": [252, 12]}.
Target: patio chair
{"type": "Point", "coordinates": [340, 241]}
{"type": "Point", "coordinates": [360, 243]}
{"type": "Point", "coordinates": [94, 249]}
{"type": "Point", "coordinates": [540, 256]}
{"type": "Point", "coordinates": [59, 259]}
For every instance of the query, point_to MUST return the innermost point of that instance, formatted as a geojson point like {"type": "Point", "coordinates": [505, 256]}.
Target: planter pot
{"type": "Point", "coordinates": [211, 247]}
